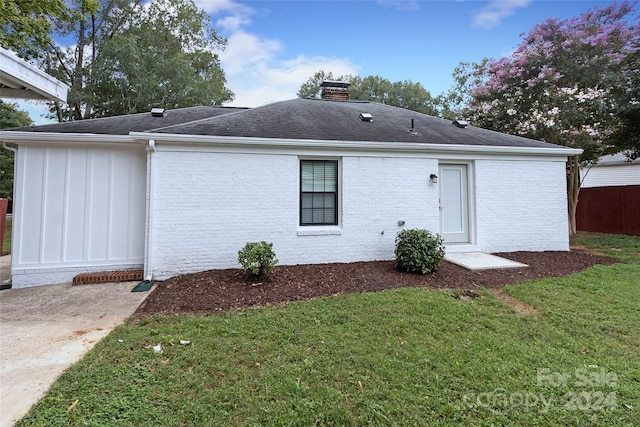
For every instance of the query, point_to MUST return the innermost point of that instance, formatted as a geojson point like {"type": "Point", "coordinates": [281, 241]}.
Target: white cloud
{"type": "Point", "coordinates": [255, 72]}
{"type": "Point", "coordinates": [257, 76]}
{"type": "Point", "coordinates": [492, 14]}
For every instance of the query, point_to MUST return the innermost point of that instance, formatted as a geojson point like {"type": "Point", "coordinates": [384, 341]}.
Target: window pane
{"type": "Point", "coordinates": [307, 176]}
{"type": "Point", "coordinates": [307, 201]}
{"type": "Point", "coordinates": [307, 216]}
{"type": "Point", "coordinates": [328, 201]}
{"type": "Point", "coordinates": [329, 216]}
{"type": "Point", "coordinates": [318, 187]}
{"type": "Point", "coordinates": [318, 216]}
{"type": "Point", "coordinates": [330, 176]}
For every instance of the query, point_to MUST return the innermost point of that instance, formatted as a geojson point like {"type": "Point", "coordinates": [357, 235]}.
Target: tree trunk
{"type": "Point", "coordinates": [76, 81]}
{"type": "Point", "coordinates": [573, 190]}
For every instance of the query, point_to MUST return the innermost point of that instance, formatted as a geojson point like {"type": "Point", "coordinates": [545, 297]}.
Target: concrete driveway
{"type": "Point", "coordinates": [45, 329]}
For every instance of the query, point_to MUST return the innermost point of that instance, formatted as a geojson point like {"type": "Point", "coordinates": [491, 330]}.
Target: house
{"type": "Point", "coordinates": [326, 180]}
{"type": "Point", "coordinates": [610, 196]}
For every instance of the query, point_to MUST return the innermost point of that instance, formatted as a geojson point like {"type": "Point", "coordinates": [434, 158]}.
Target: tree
{"type": "Point", "coordinates": [627, 89]}
{"type": "Point", "coordinates": [25, 25]}
{"type": "Point", "coordinates": [565, 84]}
{"type": "Point", "coordinates": [129, 56]}
{"type": "Point", "coordinates": [467, 76]}
{"type": "Point", "coordinates": [404, 94]}
{"type": "Point", "coordinates": [10, 116]}
{"type": "Point", "coordinates": [164, 60]}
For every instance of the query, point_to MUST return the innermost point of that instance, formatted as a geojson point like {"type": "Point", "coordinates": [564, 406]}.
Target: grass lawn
{"type": "Point", "coordinates": [402, 357]}
{"type": "Point", "coordinates": [6, 244]}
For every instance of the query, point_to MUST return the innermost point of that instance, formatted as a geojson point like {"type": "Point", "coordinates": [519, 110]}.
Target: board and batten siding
{"type": "Point", "coordinates": [77, 209]}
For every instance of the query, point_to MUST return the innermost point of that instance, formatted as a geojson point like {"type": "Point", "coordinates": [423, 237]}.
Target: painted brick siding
{"type": "Point", "coordinates": [521, 205]}
{"type": "Point", "coordinates": [208, 205]}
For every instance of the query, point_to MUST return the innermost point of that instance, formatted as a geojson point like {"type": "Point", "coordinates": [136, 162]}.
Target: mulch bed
{"type": "Point", "coordinates": [214, 291]}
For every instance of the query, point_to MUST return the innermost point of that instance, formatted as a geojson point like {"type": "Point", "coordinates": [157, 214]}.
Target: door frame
{"type": "Point", "coordinates": [471, 205]}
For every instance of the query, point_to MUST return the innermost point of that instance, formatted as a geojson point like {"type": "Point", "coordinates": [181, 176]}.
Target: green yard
{"type": "Point", "coordinates": [402, 357]}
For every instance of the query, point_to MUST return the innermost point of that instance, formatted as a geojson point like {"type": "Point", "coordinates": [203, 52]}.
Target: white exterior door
{"type": "Point", "coordinates": [454, 203]}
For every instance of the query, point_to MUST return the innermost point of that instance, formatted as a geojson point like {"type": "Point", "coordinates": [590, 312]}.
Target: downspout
{"type": "Point", "coordinates": [151, 194]}
{"type": "Point", "coordinates": [14, 222]}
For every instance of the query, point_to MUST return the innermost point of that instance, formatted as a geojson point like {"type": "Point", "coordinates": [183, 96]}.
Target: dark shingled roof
{"type": "Point", "coordinates": [317, 119]}
{"type": "Point", "coordinates": [140, 122]}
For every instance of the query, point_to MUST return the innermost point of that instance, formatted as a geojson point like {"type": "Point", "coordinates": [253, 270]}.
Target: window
{"type": "Point", "coordinates": [318, 192]}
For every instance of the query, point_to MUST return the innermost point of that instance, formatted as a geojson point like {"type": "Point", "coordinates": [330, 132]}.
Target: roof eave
{"type": "Point", "coordinates": [181, 139]}
{"type": "Point", "coordinates": [28, 82]}
{"type": "Point", "coordinates": [55, 138]}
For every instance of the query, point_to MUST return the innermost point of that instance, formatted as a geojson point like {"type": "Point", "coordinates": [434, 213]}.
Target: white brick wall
{"type": "Point", "coordinates": [208, 205]}
{"type": "Point", "coordinates": [521, 205]}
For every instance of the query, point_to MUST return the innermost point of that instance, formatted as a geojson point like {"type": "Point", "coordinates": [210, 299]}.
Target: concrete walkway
{"type": "Point", "coordinates": [5, 268]}
{"type": "Point", "coordinates": [478, 261]}
{"type": "Point", "coordinates": [45, 329]}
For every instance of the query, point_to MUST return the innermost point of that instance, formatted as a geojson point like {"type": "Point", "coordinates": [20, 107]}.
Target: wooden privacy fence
{"type": "Point", "coordinates": [614, 210]}
{"type": "Point", "coordinates": [3, 218]}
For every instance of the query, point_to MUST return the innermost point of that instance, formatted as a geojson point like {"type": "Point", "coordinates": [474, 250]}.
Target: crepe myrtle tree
{"type": "Point", "coordinates": [565, 84]}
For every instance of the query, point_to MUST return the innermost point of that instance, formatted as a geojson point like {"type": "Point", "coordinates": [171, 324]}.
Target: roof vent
{"type": "Point", "coordinates": [157, 112]}
{"type": "Point", "coordinates": [413, 130]}
{"type": "Point", "coordinates": [461, 123]}
{"type": "Point", "coordinates": [366, 117]}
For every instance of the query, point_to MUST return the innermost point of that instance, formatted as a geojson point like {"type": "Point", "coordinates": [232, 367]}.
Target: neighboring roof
{"type": "Point", "coordinates": [122, 125]}
{"type": "Point", "coordinates": [316, 119]}
{"type": "Point", "coordinates": [618, 159]}
{"type": "Point", "coordinates": [19, 79]}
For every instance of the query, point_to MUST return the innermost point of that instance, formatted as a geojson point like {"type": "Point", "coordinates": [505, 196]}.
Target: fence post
{"type": "Point", "coordinates": [3, 219]}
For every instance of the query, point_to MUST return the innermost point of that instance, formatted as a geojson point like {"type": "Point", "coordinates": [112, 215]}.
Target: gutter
{"type": "Point", "coordinates": [229, 141]}
{"type": "Point", "coordinates": [56, 138]}
{"type": "Point", "coordinates": [151, 194]}
{"type": "Point", "coordinates": [13, 149]}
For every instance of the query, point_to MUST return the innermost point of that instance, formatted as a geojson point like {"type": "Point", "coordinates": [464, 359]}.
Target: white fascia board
{"type": "Point", "coordinates": [54, 138]}
{"type": "Point", "coordinates": [27, 81]}
{"type": "Point", "coordinates": [179, 139]}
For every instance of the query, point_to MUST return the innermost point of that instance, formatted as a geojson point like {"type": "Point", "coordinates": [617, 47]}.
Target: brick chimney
{"type": "Point", "coordinates": [335, 90]}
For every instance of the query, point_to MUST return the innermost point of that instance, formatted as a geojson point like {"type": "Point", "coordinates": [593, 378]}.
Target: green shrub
{"type": "Point", "coordinates": [419, 251]}
{"type": "Point", "coordinates": [257, 258]}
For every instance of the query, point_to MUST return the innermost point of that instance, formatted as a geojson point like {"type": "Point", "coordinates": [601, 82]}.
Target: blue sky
{"type": "Point", "coordinates": [275, 46]}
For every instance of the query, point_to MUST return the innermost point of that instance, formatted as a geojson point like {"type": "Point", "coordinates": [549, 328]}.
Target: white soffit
{"type": "Point", "coordinates": [19, 79]}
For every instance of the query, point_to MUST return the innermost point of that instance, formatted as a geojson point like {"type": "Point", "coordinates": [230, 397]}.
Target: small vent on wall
{"type": "Point", "coordinates": [366, 117]}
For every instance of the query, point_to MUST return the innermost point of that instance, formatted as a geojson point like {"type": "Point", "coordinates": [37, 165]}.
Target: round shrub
{"type": "Point", "coordinates": [257, 258]}
{"type": "Point", "coordinates": [419, 251]}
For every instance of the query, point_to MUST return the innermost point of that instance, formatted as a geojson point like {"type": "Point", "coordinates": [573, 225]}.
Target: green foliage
{"type": "Point", "coordinates": [10, 116]}
{"type": "Point", "coordinates": [164, 59]}
{"type": "Point", "coordinates": [129, 56]}
{"type": "Point", "coordinates": [419, 251]}
{"type": "Point", "coordinates": [25, 25]}
{"type": "Point", "coordinates": [403, 94]}
{"type": "Point", "coordinates": [258, 258]}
